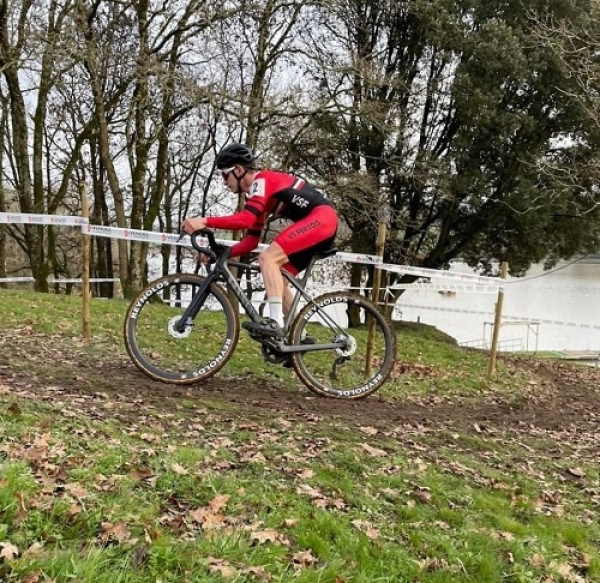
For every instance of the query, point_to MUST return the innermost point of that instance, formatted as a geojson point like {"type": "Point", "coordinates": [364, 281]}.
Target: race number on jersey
{"type": "Point", "coordinates": [257, 188]}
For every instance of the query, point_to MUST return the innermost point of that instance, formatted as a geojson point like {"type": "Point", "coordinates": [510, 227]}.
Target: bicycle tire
{"type": "Point", "coordinates": [163, 353]}
{"type": "Point", "coordinates": [342, 373]}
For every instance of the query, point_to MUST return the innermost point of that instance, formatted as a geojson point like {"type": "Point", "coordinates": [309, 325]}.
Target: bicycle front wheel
{"type": "Point", "coordinates": [365, 352]}
{"type": "Point", "coordinates": [167, 354]}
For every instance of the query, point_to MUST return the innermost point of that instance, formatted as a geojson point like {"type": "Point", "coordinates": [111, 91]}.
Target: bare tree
{"type": "Point", "coordinates": [3, 205]}
{"type": "Point", "coordinates": [153, 41]}
{"type": "Point", "coordinates": [258, 46]}
{"type": "Point", "coordinates": [26, 28]}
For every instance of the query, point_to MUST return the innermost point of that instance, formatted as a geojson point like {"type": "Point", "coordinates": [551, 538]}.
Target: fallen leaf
{"type": "Point", "coordinates": [422, 495]}
{"type": "Point", "coordinates": [303, 559]}
{"type": "Point", "coordinates": [226, 571]}
{"type": "Point", "coordinates": [222, 567]}
{"type": "Point", "coordinates": [367, 528]}
{"type": "Point", "coordinates": [373, 451]}
{"type": "Point", "coordinates": [76, 490]}
{"type": "Point", "coordinates": [180, 470]}
{"type": "Point", "coordinates": [140, 556]}
{"type": "Point", "coordinates": [306, 489]}
{"type": "Point", "coordinates": [34, 550]}
{"type": "Point", "coordinates": [118, 531]}
{"type": "Point", "coordinates": [369, 430]}
{"type": "Point", "coordinates": [9, 551]}
{"type": "Point", "coordinates": [258, 573]}
{"type": "Point", "coordinates": [306, 474]}
{"type": "Point", "coordinates": [150, 438]}
{"type": "Point", "coordinates": [140, 473]}
{"type": "Point", "coordinates": [537, 560]}
{"type": "Point", "coordinates": [269, 536]}
{"type": "Point", "coordinates": [219, 502]}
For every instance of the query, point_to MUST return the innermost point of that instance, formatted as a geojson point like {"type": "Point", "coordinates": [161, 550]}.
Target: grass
{"type": "Point", "coordinates": [100, 489]}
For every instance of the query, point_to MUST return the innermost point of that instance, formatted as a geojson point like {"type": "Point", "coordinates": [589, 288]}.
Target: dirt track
{"type": "Point", "coordinates": [561, 397]}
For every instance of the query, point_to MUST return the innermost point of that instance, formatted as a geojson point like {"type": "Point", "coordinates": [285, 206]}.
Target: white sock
{"type": "Point", "coordinates": [276, 310]}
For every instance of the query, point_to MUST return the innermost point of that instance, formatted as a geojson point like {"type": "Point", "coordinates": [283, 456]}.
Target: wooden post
{"type": "Point", "coordinates": [85, 263]}
{"type": "Point", "coordinates": [381, 235]}
{"type": "Point", "coordinates": [497, 323]}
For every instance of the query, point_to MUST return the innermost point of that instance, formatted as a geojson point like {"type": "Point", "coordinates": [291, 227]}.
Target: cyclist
{"type": "Point", "coordinates": [277, 194]}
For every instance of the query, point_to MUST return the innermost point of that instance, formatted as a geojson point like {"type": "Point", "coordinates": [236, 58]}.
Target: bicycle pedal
{"type": "Point", "coordinates": [264, 329]}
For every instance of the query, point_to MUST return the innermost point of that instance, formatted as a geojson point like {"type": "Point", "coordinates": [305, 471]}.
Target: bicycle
{"type": "Point", "coordinates": [172, 337]}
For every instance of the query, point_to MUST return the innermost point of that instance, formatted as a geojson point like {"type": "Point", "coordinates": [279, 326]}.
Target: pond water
{"type": "Point", "coordinates": [545, 310]}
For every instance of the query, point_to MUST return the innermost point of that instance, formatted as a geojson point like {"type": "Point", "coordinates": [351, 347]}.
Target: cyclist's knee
{"type": "Point", "coordinates": [272, 255]}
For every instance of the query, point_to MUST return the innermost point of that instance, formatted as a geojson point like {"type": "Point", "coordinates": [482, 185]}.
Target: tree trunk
{"type": "Point", "coordinates": [3, 206]}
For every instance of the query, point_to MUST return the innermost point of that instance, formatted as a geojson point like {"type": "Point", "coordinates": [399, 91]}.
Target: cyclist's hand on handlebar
{"type": "Point", "coordinates": [190, 225]}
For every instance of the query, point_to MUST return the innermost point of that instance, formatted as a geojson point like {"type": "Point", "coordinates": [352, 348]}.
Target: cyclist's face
{"type": "Point", "coordinates": [226, 172]}
{"type": "Point", "coordinates": [229, 176]}
{"type": "Point", "coordinates": [238, 179]}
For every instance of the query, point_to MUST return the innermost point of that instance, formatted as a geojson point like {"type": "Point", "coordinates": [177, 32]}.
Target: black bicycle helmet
{"type": "Point", "coordinates": [235, 154]}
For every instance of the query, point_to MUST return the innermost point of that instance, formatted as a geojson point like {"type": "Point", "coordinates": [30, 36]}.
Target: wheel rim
{"type": "Point", "coordinates": [343, 371]}
{"type": "Point", "coordinates": [162, 351]}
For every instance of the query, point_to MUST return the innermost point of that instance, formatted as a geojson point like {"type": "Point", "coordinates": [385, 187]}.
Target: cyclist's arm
{"type": "Point", "coordinates": [242, 220]}
{"type": "Point", "coordinates": [247, 244]}
{"type": "Point", "coordinates": [252, 213]}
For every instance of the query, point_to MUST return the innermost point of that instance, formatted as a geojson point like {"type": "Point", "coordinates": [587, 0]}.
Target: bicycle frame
{"type": "Point", "coordinates": [221, 271]}
{"type": "Point", "coordinates": [298, 283]}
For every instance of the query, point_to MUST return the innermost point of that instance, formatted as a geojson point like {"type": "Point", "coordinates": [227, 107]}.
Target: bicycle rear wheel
{"type": "Point", "coordinates": [162, 352]}
{"type": "Point", "coordinates": [344, 372]}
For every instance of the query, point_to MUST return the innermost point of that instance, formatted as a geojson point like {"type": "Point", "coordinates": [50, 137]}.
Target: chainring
{"type": "Point", "coordinates": [273, 356]}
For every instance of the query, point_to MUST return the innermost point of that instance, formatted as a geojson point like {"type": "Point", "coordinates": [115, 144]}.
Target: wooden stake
{"type": "Point", "coordinates": [85, 264]}
{"type": "Point", "coordinates": [497, 324]}
{"type": "Point", "coordinates": [381, 235]}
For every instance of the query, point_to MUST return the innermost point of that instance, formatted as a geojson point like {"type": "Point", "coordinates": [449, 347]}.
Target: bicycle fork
{"type": "Point", "coordinates": [198, 299]}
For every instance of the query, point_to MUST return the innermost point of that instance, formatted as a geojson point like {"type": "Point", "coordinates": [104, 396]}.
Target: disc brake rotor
{"type": "Point", "coordinates": [173, 322]}
{"type": "Point", "coordinates": [349, 349]}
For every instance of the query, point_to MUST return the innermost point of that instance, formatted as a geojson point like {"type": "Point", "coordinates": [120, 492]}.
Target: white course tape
{"type": "Point", "coordinates": [425, 272]}
{"type": "Point", "coordinates": [443, 309]}
{"type": "Point", "coordinates": [358, 258]}
{"type": "Point", "coordinates": [445, 287]}
{"type": "Point", "coordinates": [60, 280]}
{"type": "Point", "coordinates": [148, 236]}
{"type": "Point", "coordinates": [35, 219]}
{"type": "Point", "coordinates": [79, 280]}
{"type": "Point", "coordinates": [137, 235]}
{"type": "Point", "coordinates": [174, 239]}
{"type": "Point", "coordinates": [514, 319]}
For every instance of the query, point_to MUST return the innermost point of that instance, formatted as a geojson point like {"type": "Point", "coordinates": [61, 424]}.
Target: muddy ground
{"type": "Point", "coordinates": [557, 397]}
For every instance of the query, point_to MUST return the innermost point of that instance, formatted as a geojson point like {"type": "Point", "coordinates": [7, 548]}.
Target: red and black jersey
{"type": "Point", "coordinates": [272, 193]}
{"type": "Point", "coordinates": [283, 195]}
